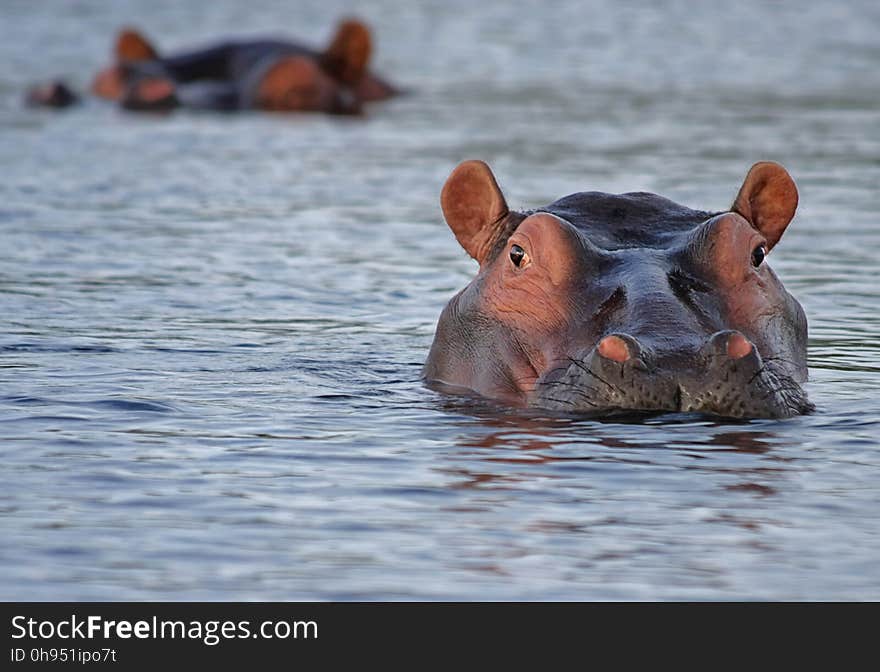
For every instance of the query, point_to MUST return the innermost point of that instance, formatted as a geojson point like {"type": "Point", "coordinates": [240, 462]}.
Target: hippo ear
{"type": "Point", "coordinates": [767, 199]}
{"type": "Point", "coordinates": [347, 56]}
{"type": "Point", "coordinates": [474, 207]}
{"type": "Point", "coordinates": [131, 45]}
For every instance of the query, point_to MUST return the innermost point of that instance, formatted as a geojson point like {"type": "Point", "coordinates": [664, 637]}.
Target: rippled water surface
{"type": "Point", "coordinates": [212, 327]}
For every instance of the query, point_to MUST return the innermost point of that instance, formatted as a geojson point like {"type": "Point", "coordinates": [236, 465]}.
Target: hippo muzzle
{"type": "Point", "coordinates": [726, 377]}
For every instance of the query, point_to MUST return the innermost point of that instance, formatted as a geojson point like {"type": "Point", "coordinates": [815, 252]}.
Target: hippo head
{"type": "Point", "coordinates": [130, 50]}
{"type": "Point", "coordinates": [602, 303]}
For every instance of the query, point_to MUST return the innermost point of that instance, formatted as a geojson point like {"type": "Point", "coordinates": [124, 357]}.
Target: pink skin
{"type": "Point", "coordinates": [297, 83]}
{"type": "Point", "coordinates": [109, 83]}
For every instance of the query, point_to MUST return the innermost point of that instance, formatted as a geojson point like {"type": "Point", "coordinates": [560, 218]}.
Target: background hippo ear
{"type": "Point", "coordinates": [767, 199]}
{"type": "Point", "coordinates": [348, 54]}
{"type": "Point", "coordinates": [474, 207]}
{"type": "Point", "coordinates": [131, 45]}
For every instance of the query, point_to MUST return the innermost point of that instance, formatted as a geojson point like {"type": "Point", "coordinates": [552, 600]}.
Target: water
{"type": "Point", "coordinates": [212, 327]}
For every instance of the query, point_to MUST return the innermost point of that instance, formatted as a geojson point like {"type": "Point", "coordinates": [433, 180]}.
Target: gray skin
{"type": "Point", "coordinates": [602, 303]}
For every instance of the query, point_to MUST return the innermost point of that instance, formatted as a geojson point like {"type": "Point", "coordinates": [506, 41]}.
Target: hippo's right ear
{"type": "Point", "coordinates": [132, 46]}
{"type": "Point", "coordinates": [474, 208]}
{"type": "Point", "coordinates": [347, 56]}
{"type": "Point", "coordinates": [767, 199]}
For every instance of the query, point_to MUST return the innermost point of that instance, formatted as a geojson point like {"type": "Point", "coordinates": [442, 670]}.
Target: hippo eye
{"type": "Point", "coordinates": [758, 255]}
{"type": "Point", "coordinates": [517, 254]}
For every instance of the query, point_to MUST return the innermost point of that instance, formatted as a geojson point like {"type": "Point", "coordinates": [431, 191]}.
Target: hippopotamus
{"type": "Point", "coordinates": [264, 74]}
{"type": "Point", "coordinates": [603, 304]}
{"type": "Point", "coordinates": [267, 74]}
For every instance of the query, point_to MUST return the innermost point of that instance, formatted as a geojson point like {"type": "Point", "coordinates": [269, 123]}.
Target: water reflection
{"type": "Point", "coordinates": [502, 447]}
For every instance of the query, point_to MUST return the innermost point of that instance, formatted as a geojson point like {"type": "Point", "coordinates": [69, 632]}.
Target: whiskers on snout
{"type": "Point", "coordinates": [726, 377]}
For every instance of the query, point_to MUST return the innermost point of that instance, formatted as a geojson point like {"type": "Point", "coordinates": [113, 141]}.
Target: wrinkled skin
{"type": "Point", "coordinates": [602, 303]}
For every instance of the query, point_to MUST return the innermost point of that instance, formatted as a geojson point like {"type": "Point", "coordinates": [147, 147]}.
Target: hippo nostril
{"type": "Point", "coordinates": [730, 345]}
{"type": "Point", "coordinates": [738, 346]}
{"type": "Point", "coordinates": [619, 348]}
{"type": "Point", "coordinates": [613, 347]}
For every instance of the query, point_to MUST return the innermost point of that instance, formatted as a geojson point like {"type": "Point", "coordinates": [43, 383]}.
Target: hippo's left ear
{"type": "Point", "coordinates": [474, 207]}
{"type": "Point", "coordinates": [131, 45]}
{"type": "Point", "coordinates": [348, 54]}
{"type": "Point", "coordinates": [767, 199]}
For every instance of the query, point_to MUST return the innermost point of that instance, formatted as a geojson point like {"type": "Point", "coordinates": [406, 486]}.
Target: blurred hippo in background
{"type": "Point", "coordinates": [601, 303]}
{"type": "Point", "coordinates": [262, 74]}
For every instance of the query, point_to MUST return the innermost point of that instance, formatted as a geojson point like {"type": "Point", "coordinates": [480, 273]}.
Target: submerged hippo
{"type": "Point", "coordinates": [267, 74]}
{"type": "Point", "coordinates": [263, 74]}
{"type": "Point", "coordinates": [601, 303]}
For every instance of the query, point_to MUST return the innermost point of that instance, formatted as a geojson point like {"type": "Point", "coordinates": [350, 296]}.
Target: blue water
{"type": "Point", "coordinates": [212, 327]}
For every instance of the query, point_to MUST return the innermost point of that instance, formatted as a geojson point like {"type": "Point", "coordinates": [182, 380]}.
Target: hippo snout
{"type": "Point", "coordinates": [723, 383]}
{"type": "Point", "coordinates": [725, 376]}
